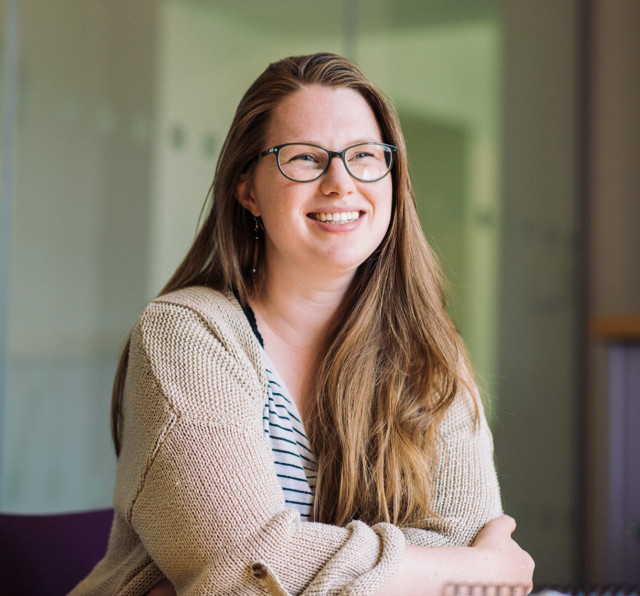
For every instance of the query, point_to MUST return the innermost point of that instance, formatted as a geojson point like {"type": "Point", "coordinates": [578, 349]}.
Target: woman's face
{"type": "Point", "coordinates": [296, 237]}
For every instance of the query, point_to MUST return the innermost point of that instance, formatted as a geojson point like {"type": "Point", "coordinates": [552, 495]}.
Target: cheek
{"type": "Point", "coordinates": [385, 204]}
{"type": "Point", "coordinates": [265, 189]}
{"type": "Point", "coordinates": [280, 215]}
{"type": "Point", "coordinates": [274, 192]}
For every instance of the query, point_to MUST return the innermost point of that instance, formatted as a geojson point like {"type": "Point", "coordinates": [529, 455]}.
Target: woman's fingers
{"type": "Point", "coordinates": [508, 522]}
{"type": "Point", "coordinates": [511, 566]}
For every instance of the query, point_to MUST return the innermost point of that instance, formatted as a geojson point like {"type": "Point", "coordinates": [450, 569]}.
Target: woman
{"type": "Point", "coordinates": [300, 366]}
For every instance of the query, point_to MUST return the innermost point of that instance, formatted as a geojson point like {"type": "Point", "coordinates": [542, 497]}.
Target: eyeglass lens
{"type": "Point", "coordinates": [367, 162]}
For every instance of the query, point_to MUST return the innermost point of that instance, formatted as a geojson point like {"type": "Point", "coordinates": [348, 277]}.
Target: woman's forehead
{"type": "Point", "coordinates": [323, 114]}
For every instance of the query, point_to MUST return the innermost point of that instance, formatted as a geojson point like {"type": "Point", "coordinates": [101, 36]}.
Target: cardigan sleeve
{"type": "Point", "coordinates": [466, 491]}
{"type": "Point", "coordinates": [196, 481]}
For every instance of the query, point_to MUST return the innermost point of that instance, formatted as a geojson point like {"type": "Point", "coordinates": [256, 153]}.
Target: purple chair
{"type": "Point", "coordinates": [50, 554]}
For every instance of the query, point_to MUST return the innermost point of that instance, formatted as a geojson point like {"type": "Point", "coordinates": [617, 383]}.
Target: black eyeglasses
{"type": "Point", "coordinates": [304, 162]}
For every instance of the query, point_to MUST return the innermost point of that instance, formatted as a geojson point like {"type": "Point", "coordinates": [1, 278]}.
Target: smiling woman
{"type": "Point", "coordinates": [295, 412]}
{"type": "Point", "coordinates": [303, 246]}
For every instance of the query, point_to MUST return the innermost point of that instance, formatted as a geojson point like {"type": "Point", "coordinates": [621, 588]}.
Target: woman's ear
{"type": "Point", "coordinates": [244, 195]}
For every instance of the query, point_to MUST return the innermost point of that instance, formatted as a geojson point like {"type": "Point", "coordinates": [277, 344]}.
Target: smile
{"type": "Point", "coordinates": [336, 218]}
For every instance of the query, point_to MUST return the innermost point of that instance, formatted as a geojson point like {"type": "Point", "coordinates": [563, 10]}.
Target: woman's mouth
{"type": "Point", "coordinates": [342, 217]}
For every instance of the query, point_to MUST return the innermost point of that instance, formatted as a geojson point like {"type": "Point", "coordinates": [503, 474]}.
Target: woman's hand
{"type": "Point", "coordinates": [510, 565]}
{"type": "Point", "coordinates": [493, 561]}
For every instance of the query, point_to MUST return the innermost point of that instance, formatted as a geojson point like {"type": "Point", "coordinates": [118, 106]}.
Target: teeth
{"type": "Point", "coordinates": [337, 218]}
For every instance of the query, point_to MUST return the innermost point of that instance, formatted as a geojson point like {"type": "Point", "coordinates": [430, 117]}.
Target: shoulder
{"type": "Point", "coordinates": [212, 311]}
{"type": "Point", "coordinates": [465, 414]}
{"type": "Point", "coordinates": [465, 425]}
{"type": "Point", "coordinates": [212, 305]}
{"type": "Point", "coordinates": [465, 411]}
{"type": "Point", "coordinates": [200, 334]}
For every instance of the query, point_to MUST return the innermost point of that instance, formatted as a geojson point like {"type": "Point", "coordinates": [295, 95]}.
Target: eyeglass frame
{"type": "Point", "coordinates": [341, 154]}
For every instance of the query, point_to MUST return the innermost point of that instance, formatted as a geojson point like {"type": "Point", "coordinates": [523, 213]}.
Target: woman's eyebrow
{"type": "Point", "coordinates": [357, 141]}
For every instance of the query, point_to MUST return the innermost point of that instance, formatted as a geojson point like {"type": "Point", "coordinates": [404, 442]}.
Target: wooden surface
{"type": "Point", "coordinates": [616, 327]}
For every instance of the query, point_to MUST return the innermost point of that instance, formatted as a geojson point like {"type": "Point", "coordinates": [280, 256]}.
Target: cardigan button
{"type": "Point", "coordinates": [259, 570]}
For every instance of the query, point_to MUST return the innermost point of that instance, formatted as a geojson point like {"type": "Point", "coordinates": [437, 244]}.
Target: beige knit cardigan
{"type": "Point", "coordinates": [197, 499]}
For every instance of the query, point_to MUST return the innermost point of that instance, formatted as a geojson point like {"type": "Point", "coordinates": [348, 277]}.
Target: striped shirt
{"type": "Point", "coordinates": [294, 462]}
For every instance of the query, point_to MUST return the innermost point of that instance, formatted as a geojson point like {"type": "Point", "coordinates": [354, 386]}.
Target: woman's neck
{"type": "Point", "coordinates": [293, 316]}
{"type": "Point", "coordinates": [298, 305]}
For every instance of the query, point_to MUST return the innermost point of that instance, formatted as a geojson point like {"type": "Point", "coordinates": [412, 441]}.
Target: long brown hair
{"type": "Point", "coordinates": [393, 361]}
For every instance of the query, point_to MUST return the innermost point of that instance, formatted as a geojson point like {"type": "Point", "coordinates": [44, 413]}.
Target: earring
{"type": "Point", "coordinates": [256, 245]}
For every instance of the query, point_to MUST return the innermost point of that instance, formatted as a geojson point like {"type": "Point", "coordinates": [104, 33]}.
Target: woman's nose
{"type": "Point", "coordinates": [336, 180]}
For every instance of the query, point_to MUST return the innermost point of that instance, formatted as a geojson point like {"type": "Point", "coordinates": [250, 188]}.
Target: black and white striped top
{"type": "Point", "coordinates": [295, 464]}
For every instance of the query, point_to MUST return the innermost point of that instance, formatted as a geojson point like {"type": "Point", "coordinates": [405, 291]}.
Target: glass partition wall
{"type": "Point", "coordinates": [122, 109]}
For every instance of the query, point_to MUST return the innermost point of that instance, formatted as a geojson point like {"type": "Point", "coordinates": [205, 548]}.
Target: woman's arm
{"type": "Point", "coordinates": [196, 489]}
{"type": "Point", "coordinates": [196, 480]}
{"type": "Point", "coordinates": [495, 559]}
{"type": "Point", "coordinates": [466, 495]}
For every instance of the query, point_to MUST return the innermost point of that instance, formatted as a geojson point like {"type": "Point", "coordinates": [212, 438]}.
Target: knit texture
{"type": "Point", "coordinates": [197, 499]}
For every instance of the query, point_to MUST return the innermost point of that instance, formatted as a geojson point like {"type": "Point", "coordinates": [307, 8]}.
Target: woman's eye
{"type": "Point", "coordinates": [308, 157]}
{"type": "Point", "coordinates": [362, 155]}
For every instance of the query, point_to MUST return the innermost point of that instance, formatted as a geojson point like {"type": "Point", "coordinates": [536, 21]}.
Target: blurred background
{"type": "Point", "coordinates": [523, 129]}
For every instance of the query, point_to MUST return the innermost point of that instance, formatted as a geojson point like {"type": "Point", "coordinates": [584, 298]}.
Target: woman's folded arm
{"type": "Point", "coordinates": [196, 479]}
